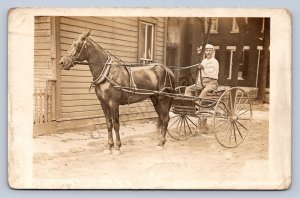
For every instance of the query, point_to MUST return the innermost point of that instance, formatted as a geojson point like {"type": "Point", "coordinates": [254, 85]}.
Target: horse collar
{"type": "Point", "coordinates": [103, 73]}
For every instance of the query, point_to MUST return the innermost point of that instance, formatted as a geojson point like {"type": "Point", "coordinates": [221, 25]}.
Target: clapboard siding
{"type": "Point", "coordinates": [160, 34]}
{"type": "Point", "coordinates": [130, 51]}
{"type": "Point", "coordinates": [119, 35]}
{"type": "Point", "coordinates": [46, 52]}
{"type": "Point", "coordinates": [82, 23]}
{"type": "Point", "coordinates": [88, 96]}
{"type": "Point", "coordinates": [141, 107]}
{"type": "Point", "coordinates": [42, 51]}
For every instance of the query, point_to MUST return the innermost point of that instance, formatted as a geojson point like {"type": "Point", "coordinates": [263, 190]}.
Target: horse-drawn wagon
{"type": "Point", "coordinates": [117, 83]}
{"type": "Point", "coordinates": [228, 110]}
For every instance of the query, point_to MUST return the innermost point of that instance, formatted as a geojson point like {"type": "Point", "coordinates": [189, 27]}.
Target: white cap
{"type": "Point", "coordinates": [209, 46]}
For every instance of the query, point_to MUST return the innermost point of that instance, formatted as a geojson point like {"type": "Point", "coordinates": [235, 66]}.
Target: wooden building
{"type": "Point", "coordinates": [62, 97]}
{"type": "Point", "coordinates": [185, 35]}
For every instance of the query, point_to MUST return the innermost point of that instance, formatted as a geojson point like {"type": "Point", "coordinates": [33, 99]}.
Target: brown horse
{"type": "Point", "coordinates": [110, 75]}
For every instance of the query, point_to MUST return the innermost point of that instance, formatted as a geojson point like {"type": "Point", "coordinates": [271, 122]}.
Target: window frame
{"type": "Point", "coordinates": [214, 31]}
{"type": "Point", "coordinates": [142, 58]}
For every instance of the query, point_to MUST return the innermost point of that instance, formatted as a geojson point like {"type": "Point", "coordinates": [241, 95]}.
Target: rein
{"type": "Point", "coordinates": [134, 65]}
{"type": "Point", "coordinates": [107, 65]}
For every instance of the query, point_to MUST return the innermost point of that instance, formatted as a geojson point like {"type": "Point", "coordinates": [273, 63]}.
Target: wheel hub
{"type": "Point", "coordinates": [234, 118]}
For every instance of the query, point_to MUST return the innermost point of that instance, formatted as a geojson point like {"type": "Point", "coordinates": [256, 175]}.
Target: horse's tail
{"type": "Point", "coordinates": [167, 82]}
{"type": "Point", "coordinates": [171, 77]}
{"type": "Point", "coordinates": [169, 71]}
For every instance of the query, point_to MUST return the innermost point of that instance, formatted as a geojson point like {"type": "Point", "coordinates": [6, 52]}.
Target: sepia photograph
{"type": "Point", "coordinates": [150, 100]}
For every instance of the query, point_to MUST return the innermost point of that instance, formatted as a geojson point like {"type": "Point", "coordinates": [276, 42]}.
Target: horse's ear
{"type": "Point", "coordinates": [89, 32]}
{"type": "Point", "coordinates": [86, 34]}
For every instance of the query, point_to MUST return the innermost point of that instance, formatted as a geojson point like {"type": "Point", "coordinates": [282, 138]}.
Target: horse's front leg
{"type": "Point", "coordinates": [109, 124]}
{"type": "Point", "coordinates": [116, 124]}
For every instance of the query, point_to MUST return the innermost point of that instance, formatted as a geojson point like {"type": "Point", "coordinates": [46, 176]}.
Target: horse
{"type": "Point", "coordinates": [110, 75]}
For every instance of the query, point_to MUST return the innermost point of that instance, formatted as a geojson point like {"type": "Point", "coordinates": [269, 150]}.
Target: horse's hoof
{"type": "Point", "coordinates": [116, 152]}
{"type": "Point", "coordinates": [160, 148]}
{"type": "Point", "coordinates": [107, 151]}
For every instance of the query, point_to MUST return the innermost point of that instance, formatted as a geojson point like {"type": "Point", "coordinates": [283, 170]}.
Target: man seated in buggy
{"type": "Point", "coordinates": [210, 72]}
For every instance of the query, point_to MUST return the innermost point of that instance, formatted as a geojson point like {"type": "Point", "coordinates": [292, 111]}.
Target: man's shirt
{"type": "Point", "coordinates": [211, 68]}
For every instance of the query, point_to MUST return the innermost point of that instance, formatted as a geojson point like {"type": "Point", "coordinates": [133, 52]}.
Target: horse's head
{"type": "Point", "coordinates": [76, 52]}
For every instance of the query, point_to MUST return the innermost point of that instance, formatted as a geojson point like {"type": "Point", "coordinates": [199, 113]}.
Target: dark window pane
{"type": "Point", "coordinates": [149, 42]}
{"type": "Point", "coordinates": [142, 40]}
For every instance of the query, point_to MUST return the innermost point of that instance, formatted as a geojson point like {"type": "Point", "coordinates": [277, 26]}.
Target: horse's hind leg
{"type": "Point", "coordinates": [154, 100]}
{"type": "Point", "coordinates": [162, 107]}
{"type": "Point", "coordinates": [165, 105]}
{"type": "Point", "coordinates": [109, 124]}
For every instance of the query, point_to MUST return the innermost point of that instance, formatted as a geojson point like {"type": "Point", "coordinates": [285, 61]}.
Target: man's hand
{"type": "Point", "coordinates": [200, 66]}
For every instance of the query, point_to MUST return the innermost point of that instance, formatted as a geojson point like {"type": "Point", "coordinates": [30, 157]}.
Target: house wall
{"type": "Point", "coordinates": [120, 37]}
{"type": "Point", "coordinates": [42, 51]}
{"type": "Point", "coordinates": [76, 106]}
{"type": "Point", "coordinates": [185, 35]}
{"type": "Point", "coordinates": [225, 38]}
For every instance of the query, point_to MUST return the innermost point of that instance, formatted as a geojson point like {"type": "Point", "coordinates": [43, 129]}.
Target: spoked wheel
{"type": "Point", "coordinates": [232, 117]}
{"type": "Point", "coordinates": [182, 127]}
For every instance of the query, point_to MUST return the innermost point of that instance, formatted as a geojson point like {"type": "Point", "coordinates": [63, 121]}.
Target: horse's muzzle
{"type": "Point", "coordinates": [64, 65]}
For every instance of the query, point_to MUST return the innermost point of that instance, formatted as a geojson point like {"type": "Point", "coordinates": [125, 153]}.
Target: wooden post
{"type": "Point", "coordinates": [55, 56]}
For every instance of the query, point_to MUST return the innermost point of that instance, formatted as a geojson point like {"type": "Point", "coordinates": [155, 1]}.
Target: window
{"type": "Point", "coordinates": [244, 64]}
{"type": "Point", "coordinates": [214, 25]}
{"type": "Point", "coordinates": [146, 42]}
{"type": "Point", "coordinates": [235, 27]}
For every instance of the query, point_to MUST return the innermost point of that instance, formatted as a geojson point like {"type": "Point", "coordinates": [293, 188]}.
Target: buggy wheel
{"type": "Point", "coordinates": [181, 127]}
{"type": "Point", "coordinates": [232, 117]}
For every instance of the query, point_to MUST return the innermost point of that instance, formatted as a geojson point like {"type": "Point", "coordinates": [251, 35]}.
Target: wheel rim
{"type": "Point", "coordinates": [181, 127]}
{"type": "Point", "coordinates": [232, 117]}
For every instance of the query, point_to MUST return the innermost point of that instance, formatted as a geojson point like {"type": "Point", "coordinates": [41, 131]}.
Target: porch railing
{"type": "Point", "coordinates": [44, 103]}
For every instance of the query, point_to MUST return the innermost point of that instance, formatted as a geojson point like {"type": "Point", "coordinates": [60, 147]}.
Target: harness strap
{"type": "Point", "coordinates": [167, 75]}
{"type": "Point", "coordinates": [131, 79]}
{"type": "Point", "coordinates": [103, 73]}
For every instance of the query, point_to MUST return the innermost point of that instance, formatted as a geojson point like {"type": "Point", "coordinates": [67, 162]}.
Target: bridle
{"type": "Point", "coordinates": [76, 56]}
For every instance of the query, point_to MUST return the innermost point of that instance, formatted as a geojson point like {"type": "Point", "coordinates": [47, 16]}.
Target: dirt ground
{"type": "Point", "coordinates": [77, 160]}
